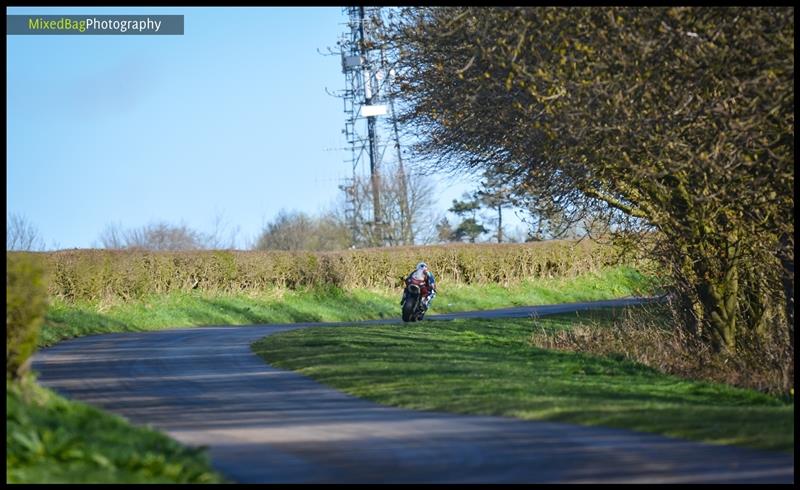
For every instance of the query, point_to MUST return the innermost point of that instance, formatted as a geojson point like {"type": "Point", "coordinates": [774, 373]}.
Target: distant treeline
{"type": "Point", "coordinates": [93, 275]}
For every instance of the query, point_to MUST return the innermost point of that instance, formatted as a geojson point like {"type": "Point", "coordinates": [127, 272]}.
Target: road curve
{"type": "Point", "coordinates": [204, 386]}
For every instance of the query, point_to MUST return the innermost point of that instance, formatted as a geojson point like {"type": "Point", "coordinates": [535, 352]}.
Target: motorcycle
{"type": "Point", "coordinates": [414, 307]}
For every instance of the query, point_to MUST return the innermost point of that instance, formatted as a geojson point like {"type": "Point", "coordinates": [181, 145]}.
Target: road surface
{"type": "Point", "coordinates": [204, 386]}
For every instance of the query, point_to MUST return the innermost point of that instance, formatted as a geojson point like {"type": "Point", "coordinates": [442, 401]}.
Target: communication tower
{"type": "Point", "coordinates": [366, 100]}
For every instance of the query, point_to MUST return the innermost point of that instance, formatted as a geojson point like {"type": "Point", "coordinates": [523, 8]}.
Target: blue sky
{"type": "Point", "coordinates": [231, 119]}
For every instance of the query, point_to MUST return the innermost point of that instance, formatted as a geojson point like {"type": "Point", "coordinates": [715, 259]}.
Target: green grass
{"type": "Point", "coordinates": [53, 440]}
{"type": "Point", "coordinates": [67, 320]}
{"type": "Point", "coordinates": [608, 284]}
{"type": "Point", "coordinates": [489, 367]}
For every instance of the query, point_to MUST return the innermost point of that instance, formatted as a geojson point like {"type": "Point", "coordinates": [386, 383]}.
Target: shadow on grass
{"type": "Point", "coordinates": [64, 324]}
{"type": "Point", "coordinates": [467, 368]}
{"type": "Point", "coordinates": [400, 354]}
{"type": "Point", "coordinates": [275, 312]}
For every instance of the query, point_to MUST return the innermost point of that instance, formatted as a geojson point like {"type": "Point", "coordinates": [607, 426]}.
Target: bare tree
{"type": "Point", "coordinates": [400, 225]}
{"type": "Point", "coordinates": [299, 231]}
{"type": "Point", "coordinates": [155, 236]}
{"type": "Point", "coordinates": [21, 234]}
{"type": "Point", "coordinates": [112, 237]}
{"type": "Point", "coordinates": [224, 234]}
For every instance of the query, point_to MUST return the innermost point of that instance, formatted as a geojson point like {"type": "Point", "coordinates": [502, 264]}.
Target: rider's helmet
{"type": "Point", "coordinates": [422, 265]}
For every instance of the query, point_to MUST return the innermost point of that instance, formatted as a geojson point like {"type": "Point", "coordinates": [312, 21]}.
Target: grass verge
{"type": "Point", "coordinates": [67, 320]}
{"type": "Point", "coordinates": [490, 368]}
{"type": "Point", "coordinates": [50, 439]}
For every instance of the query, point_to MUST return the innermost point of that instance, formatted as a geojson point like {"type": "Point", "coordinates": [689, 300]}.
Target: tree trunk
{"type": "Point", "coordinates": [499, 223]}
{"type": "Point", "coordinates": [720, 300]}
{"type": "Point", "coordinates": [786, 256]}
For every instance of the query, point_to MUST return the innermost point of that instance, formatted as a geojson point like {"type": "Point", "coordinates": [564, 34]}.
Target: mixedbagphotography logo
{"type": "Point", "coordinates": [95, 24]}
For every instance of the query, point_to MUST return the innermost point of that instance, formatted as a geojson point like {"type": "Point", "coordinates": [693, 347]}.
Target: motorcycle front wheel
{"type": "Point", "coordinates": [408, 310]}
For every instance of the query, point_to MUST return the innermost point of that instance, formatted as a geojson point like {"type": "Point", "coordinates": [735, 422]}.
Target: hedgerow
{"type": "Point", "coordinates": [95, 275]}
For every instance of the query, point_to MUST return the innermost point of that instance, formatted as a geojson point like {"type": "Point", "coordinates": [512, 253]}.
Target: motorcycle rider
{"type": "Point", "coordinates": [422, 273]}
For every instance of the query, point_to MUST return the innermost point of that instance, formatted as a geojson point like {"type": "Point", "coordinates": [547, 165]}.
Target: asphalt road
{"type": "Point", "coordinates": [204, 386]}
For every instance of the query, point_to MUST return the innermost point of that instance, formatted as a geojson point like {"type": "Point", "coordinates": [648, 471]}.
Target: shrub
{"type": "Point", "coordinates": [109, 275]}
{"type": "Point", "coordinates": [650, 336]}
{"type": "Point", "coordinates": [26, 304]}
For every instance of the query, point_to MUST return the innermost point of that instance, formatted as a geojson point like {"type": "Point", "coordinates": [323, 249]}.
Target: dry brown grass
{"type": "Point", "coordinates": [650, 336]}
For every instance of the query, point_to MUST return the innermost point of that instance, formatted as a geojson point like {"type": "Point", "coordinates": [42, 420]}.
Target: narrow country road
{"type": "Point", "coordinates": [204, 386]}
